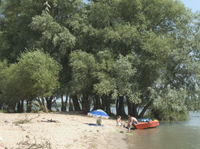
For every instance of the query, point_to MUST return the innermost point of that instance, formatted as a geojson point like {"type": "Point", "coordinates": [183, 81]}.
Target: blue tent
{"type": "Point", "coordinates": [98, 113]}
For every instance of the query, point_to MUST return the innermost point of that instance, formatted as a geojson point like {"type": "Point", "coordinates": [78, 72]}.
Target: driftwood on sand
{"type": "Point", "coordinates": [54, 121]}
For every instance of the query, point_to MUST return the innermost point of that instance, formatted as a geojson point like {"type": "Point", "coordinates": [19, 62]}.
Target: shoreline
{"type": "Point", "coordinates": [58, 130]}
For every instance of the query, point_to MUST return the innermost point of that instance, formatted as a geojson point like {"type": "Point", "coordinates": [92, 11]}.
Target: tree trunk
{"type": "Point", "coordinates": [64, 103]}
{"type": "Point", "coordinates": [121, 106]}
{"type": "Point", "coordinates": [85, 103]}
{"type": "Point", "coordinates": [28, 105]}
{"type": "Point", "coordinates": [107, 98]}
{"type": "Point", "coordinates": [70, 105]}
{"type": "Point", "coordinates": [94, 104]}
{"type": "Point", "coordinates": [98, 102]}
{"type": "Point", "coordinates": [11, 108]}
{"type": "Point", "coordinates": [55, 105]}
{"type": "Point", "coordinates": [63, 106]}
{"type": "Point", "coordinates": [117, 106]}
{"type": "Point", "coordinates": [88, 104]}
{"type": "Point", "coordinates": [76, 103]}
{"type": "Point", "coordinates": [39, 101]}
{"type": "Point", "coordinates": [49, 102]}
{"type": "Point", "coordinates": [135, 112]}
{"type": "Point", "coordinates": [44, 105]}
{"type": "Point", "coordinates": [103, 103]}
{"type": "Point", "coordinates": [130, 108]}
{"type": "Point", "coordinates": [145, 109]}
{"type": "Point", "coordinates": [20, 106]}
{"type": "Point", "coordinates": [1, 107]}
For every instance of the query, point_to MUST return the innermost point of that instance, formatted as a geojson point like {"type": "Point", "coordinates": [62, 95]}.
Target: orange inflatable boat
{"type": "Point", "coordinates": [145, 123]}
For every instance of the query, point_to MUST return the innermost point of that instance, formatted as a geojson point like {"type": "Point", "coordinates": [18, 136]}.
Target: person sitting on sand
{"type": "Point", "coordinates": [119, 122]}
{"type": "Point", "coordinates": [132, 120]}
{"type": "Point", "coordinates": [99, 121]}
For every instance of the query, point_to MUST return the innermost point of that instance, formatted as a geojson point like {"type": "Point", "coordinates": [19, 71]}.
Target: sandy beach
{"type": "Point", "coordinates": [66, 130]}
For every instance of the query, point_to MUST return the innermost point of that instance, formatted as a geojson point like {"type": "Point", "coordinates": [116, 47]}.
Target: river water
{"type": "Point", "coordinates": [177, 135]}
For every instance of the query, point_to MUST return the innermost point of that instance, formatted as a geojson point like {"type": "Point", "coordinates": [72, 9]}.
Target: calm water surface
{"type": "Point", "coordinates": [177, 135]}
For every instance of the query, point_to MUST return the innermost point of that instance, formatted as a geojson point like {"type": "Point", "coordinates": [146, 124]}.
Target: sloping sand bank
{"type": "Point", "coordinates": [58, 130]}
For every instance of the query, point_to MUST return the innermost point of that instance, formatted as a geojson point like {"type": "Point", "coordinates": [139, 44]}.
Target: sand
{"type": "Point", "coordinates": [67, 130]}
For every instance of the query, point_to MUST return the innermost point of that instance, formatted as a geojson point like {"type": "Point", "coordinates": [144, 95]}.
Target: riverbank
{"type": "Point", "coordinates": [58, 130]}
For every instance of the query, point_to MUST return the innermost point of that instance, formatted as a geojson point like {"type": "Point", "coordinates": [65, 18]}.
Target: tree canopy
{"type": "Point", "coordinates": [35, 75]}
{"type": "Point", "coordinates": [140, 52]}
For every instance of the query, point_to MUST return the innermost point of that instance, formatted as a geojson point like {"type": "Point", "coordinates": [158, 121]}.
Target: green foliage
{"type": "Point", "coordinates": [156, 39]}
{"type": "Point", "coordinates": [170, 99]}
{"type": "Point", "coordinates": [181, 66]}
{"type": "Point", "coordinates": [9, 84]}
{"type": "Point", "coordinates": [35, 75]}
{"type": "Point", "coordinates": [39, 72]}
{"type": "Point", "coordinates": [132, 48]}
{"type": "Point", "coordinates": [173, 116]}
{"type": "Point", "coordinates": [102, 74]}
{"type": "Point", "coordinates": [170, 104]}
{"type": "Point", "coordinates": [16, 35]}
{"type": "Point", "coordinates": [83, 65]}
{"type": "Point", "coordinates": [114, 75]}
{"type": "Point", "coordinates": [54, 37]}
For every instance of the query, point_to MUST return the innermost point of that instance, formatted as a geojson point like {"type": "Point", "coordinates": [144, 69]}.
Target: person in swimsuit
{"type": "Point", "coordinates": [132, 120]}
{"type": "Point", "coordinates": [119, 122]}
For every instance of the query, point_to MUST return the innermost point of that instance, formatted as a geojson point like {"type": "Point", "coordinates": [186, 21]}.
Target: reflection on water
{"type": "Point", "coordinates": [177, 135]}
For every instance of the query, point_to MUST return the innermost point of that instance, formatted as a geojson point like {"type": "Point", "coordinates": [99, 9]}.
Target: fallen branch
{"type": "Point", "coordinates": [26, 120]}
{"type": "Point", "coordinates": [55, 121]}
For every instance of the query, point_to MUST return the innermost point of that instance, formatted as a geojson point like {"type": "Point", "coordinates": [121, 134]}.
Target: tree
{"type": "Point", "coordinates": [16, 35]}
{"type": "Point", "coordinates": [111, 51]}
{"type": "Point", "coordinates": [10, 92]}
{"type": "Point", "coordinates": [114, 79]}
{"type": "Point", "coordinates": [181, 67]}
{"type": "Point", "coordinates": [142, 27]}
{"type": "Point", "coordinates": [39, 24]}
{"type": "Point", "coordinates": [34, 76]}
{"type": "Point", "coordinates": [169, 104]}
{"type": "Point", "coordinates": [83, 66]}
{"type": "Point", "coordinates": [58, 28]}
{"type": "Point", "coordinates": [106, 77]}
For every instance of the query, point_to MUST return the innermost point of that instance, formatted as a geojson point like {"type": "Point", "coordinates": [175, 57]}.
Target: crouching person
{"type": "Point", "coordinates": [119, 122]}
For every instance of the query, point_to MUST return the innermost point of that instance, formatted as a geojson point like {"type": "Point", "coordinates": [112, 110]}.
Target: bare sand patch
{"type": "Point", "coordinates": [58, 130]}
